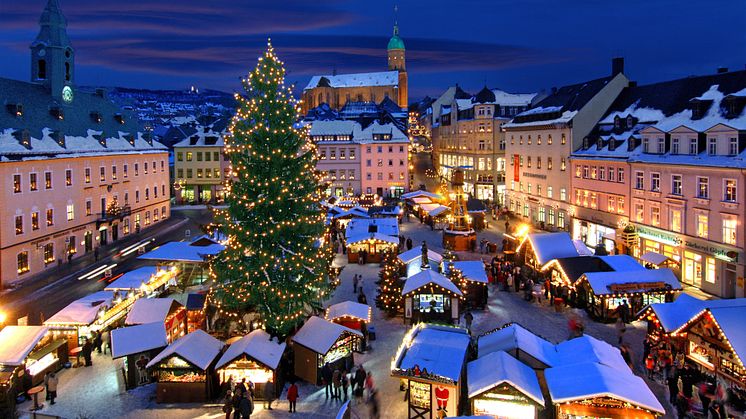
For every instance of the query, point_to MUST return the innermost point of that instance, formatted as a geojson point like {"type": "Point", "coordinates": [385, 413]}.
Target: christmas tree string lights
{"type": "Point", "coordinates": [276, 260]}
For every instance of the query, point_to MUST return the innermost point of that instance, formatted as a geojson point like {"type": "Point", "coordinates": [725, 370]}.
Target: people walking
{"type": "Point", "coordinates": [360, 284]}
{"type": "Point", "coordinates": [97, 341]}
{"type": "Point", "coordinates": [375, 405]}
{"type": "Point", "coordinates": [52, 383]}
{"type": "Point", "coordinates": [620, 329]}
{"type": "Point", "coordinates": [228, 404]}
{"type": "Point", "coordinates": [86, 352]}
{"type": "Point", "coordinates": [409, 243]}
{"type": "Point", "coordinates": [269, 394]}
{"type": "Point", "coordinates": [345, 383]}
{"type": "Point", "coordinates": [468, 319]}
{"type": "Point", "coordinates": [292, 396]}
{"type": "Point", "coordinates": [326, 377]}
{"type": "Point", "coordinates": [354, 283]}
{"type": "Point", "coordinates": [369, 384]}
{"type": "Point", "coordinates": [337, 382]}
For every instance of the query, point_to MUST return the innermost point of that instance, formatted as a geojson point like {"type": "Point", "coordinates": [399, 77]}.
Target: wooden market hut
{"type": "Point", "coordinates": [92, 313]}
{"type": "Point", "coordinates": [138, 345]}
{"type": "Point", "coordinates": [255, 358]}
{"type": "Point", "coordinates": [196, 316]}
{"type": "Point", "coordinates": [321, 342]}
{"type": "Point", "coordinates": [501, 386]}
{"type": "Point", "coordinates": [716, 345]}
{"type": "Point", "coordinates": [431, 297]}
{"type": "Point", "coordinates": [475, 276]}
{"type": "Point", "coordinates": [184, 370]}
{"type": "Point", "coordinates": [523, 345]}
{"type": "Point", "coordinates": [412, 258]}
{"type": "Point", "coordinates": [591, 389]}
{"type": "Point", "coordinates": [431, 365]}
{"type": "Point", "coordinates": [191, 259]}
{"type": "Point", "coordinates": [537, 249]}
{"type": "Point", "coordinates": [148, 281]}
{"type": "Point", "coordinates": [349, 314]}
{"type": "Point", "coordinates": [166, 311]}
{"type": "Point", "coordinates": [605, 291]}
{"type": "Point", "coordinates": [372, 237]}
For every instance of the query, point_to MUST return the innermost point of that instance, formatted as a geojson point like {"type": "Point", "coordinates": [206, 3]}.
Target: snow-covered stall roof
{"type": "Point", "coordinates": [421, 200]}
{"type": "Point", "coordinates": [135, 339]}
{"type": "Point", "coordinates": [257, 345]}
{"type": "Point", "coordinates": [83, 311]}
{"type": "Point", "coordinates": [548, 246]}
{"type": "Point", "coordinates": [150, 310]}
{"type": "Point", "coordinates": [357, 238]}
{"type": "Point", "coordinates": [415, 253]}
{"type": "Point", "coordinates": [674, 315]}
{"type": "Point", "coordinates": [18, 342]}
{"type": "Point", "coordinates": [622, 263]}
{"type": "Point", "coordinates": [440, 350]}
{"type": "Point", "coordinates": [420, 193]}
{"type": "Point", "coordinates": [603, 282]}
{"type": "Point", "coordinates": [473, 270]}
{"type": "Point", "coordinates": [654, 258]}
{"type": "Point", "coordinates": [514, 337]}
{"type": "Point", "coordinates": [428, 276]}
{"type": "Point", "coordinates": [388, 226]}
{"type": "Point", "coordinates": [133, 279]}
{"type": "Point", "coordinates": [498, 367]}
{"type": "Point", "coordinates": [349, 309]}
{"type": "Point", "coordinates": [379, 78]}
{"type": "Point", "coordinates": [582, 248]}
{"type": "Point", "coordinates": [730, 320]}
{"type": "Point", "coordinates": [319, 335]}
{"type": "Point", "coordinates": [589, 349]}
{"type": "Point", "coordinates": [198, 348]}
{"type": "Point", "coordinates": [434, 210]}
{"type": "Point", "coordinates": [182, 252]}
{"type": "Point", "coordinates": [589, 380]}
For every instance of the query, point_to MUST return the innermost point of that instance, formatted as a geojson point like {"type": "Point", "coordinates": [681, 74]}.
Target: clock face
{"type": "Point", "coordinates": [67, 94]}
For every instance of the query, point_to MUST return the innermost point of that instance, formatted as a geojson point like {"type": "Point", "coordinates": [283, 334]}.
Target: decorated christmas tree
{"type": "Point", "coordinates": [390, 285]}
{"type": "Point", "coordinates": [276, 261]}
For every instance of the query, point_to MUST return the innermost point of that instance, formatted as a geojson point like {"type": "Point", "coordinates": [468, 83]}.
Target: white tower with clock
{"type": "Point", "coordinates": [52, 55]}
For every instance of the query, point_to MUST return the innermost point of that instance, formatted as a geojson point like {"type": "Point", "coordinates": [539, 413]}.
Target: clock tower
{"type": "Point", "coordinates": [52, 55]}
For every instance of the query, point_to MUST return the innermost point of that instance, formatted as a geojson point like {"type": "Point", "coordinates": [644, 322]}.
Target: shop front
{"type": "Point", "coordinates": [370, 249]}
{"type": "Point", "coordinates": [471, 277]}
{"type": "Point", "coordinates": [321, 342]}
{"type": "Point", "coordinates": [594, 228]}
{"type": "Point", "coordinates": [712, 267]}
{"type": "Point", "coordinates": [431, 297]}
{"type": "Point", "coordinates": [254, 358]}
{"type": "Point", "coordinates": [92, 313]}
{"type": "Point", "coordinates": [137, 345]}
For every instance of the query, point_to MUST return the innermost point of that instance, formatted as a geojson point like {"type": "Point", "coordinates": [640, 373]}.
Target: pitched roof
{"type": "Point", "coordinates": [133, 280]}
{"type": "Point", "coordinates": [140, 338]}
{"type": "Point", "coordinates": [514, 337]}
{"type": "Point", "coordinates": [18, 342]}
{"type": "Point", "coordinates": [198, 348]}
{"type": "Point", "coordinates": [415, 253]}
{"type": "Point", "coordinates": [319, 334]}
{"type": "Point", "coordinates": [182, 252]}
{"type": "Point", "coordinates": [257, 345]}
{"type": "Point", "coordinates": [348, 309]}
{"type": "Point", "coordinates": [150, 310]}
{"type": "Point", "coordinates": [548, 246]}
{"type": "Point", "coordinates": [498, 367]}
{"type": "Point", "coordinates": [83, 311]}
{"type": "Point", "coordinates": [439, 350]}
{"type": "Point", "coordinates": [601, 282]}
{"type": "Point", "coordinates": [381, 78]}
{"type": "Point", "coordinates": [473, 270]}
{"type": "Point", "coordinates": [428, 276]}
{"type": "Point", "coordinates": [674, 315]}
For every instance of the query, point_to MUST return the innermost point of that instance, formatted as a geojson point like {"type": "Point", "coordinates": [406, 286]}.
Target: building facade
{"type": "Point", "coordinates": [680, 145]}
{"type": "Point", "coordinates": [339, 89]}
{"type": "Point", "coordinates": [467, 133]}
{"type": "Point", "coordinates": [357, 160]}
{"type": "Point", "coordinates": [539, 143]}
{"type": "Point", "coordinates": [200, 167]}
{"type": "Point", "coordinates": [78, 175]}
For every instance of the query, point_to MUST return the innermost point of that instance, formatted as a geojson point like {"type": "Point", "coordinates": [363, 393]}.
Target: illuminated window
{"type": "Point", "coordinates": [48, 180]}
{"type": "Point", "coordinates": [48, 253]}
{"type": "Point", "coordinates": [675, 220]}
{"type": "Point", "coordinates": [23, 262]}
{"type": "Point", "coordinates": [702, 221]}
{"type": "Point", "coordinates": [35, 220]}
{"type": "Point", "coordinates": [50, 217]}
{"type": "Point", "coordinates": [729, 190]}
{"type": "Point", "coordinates": [729, 229]}
{"type": "Point", "coordinates": [68, 177]}
{"type": "Point", "coordinates": [19, 224]}
{"type": "Point", "coordinates": [16, 183]}
{"type": "Point", "coordinates": [87, 175]}
{"type": "Point", "coordinates": [70, 212]}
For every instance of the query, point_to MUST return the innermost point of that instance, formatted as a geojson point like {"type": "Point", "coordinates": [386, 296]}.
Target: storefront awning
{"type": "Point", "coordinates": [349, 309]}
{"type": "Point", "coordinates": [654, 258]}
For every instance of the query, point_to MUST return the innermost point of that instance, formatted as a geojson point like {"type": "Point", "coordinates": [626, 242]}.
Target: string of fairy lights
{"type": "Point", "coordinates": [277, 259]}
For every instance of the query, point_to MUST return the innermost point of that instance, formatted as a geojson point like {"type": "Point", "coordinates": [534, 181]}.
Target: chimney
{"type": "Point", "coordinates": [722, 70]}
{"type": "Point", "coordinates": [617, 66]}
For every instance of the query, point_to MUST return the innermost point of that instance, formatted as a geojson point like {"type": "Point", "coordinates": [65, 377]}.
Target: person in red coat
{"type": "Point", "coordinates": [292, 396]}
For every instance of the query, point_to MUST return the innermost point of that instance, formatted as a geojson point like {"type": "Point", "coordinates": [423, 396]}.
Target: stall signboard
{"type": "Point", "coordinates": [419, 394]}
{"type": "Point", "coordinates": [339, 350]}
{"type": "Point", "coordinates": [247, 369]}
{"type": "Point", "coordinates": [701, 352]}
{"type": "Point", "coordinates": [504, 406]}
{"type": "Point", "coordinates": [636, 286]}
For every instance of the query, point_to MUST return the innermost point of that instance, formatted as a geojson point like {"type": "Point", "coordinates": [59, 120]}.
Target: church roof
{"type": "Point", "coordinates": [380, 78]}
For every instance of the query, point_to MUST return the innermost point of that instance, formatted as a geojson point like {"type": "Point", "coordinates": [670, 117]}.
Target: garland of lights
{"type": "Point", "coordinates": [276, 260]}
{"type": "Point", "coordinates": [390, 286]}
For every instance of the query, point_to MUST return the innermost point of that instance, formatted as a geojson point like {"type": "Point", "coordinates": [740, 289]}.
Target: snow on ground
{"type": "Point", "coordinates": [98, 391]}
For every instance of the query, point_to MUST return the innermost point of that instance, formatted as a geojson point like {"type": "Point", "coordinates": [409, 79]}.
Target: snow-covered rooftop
{"type": "Point", "coordinates": [202, 138]}
{"type": "Point", "coordinates": [589, 380]}
{"type": "Point", "coordinates": [566, 117]}
{"type": "Point", "coordinates": [384, 229]}
{"type": "Point", "coordinates": [182, 252]}
{"type": "Point", "coordinates": [426, 277]}
{"type": "Point", "coordinates": [18, 342]}
{"type": "Point", "coordinates": [674, 315]}
{"type": "Point", "coordinates": [421, 193]}
{"type": "Point", "coordinates": [258, 346]}
{"type": "Point", "coordinates": [654, 258]}
{"type": "Point", "coordinates": [83, 311]}
{"type": "Point", "coordinates": [515, 337]}
{"type": "Point", "coordinates": [548, 246]}
{"type": "Point", "coordinates": [150, 310]}
{"type": "Point", "coordinates": [603, 282]}
{"type": "Point", "coordinates": [434, 210]}
{"type": "Point", "coordinates": [730, 320]}
{"type": "Point", "coordinates": [589, 349]}
{"type": "Point", "coordinates": [622, 263]}
{"type": "Point", "coordinates": [381, 78]}
{"type": "Point", "coordinates": [415, 254]}
{"type": "Point", "coordinates": [140, 338]}
{"type": "Point", "coordinates": [473, 270]}
{"type": "Point", "coordinates": [349, 309]}
{"type": "Point", "coordinates": [438, 349]}
{"type": "Point", "coordinates": [359, 237]}
{"type": "Point", "coordinates": [198, 348]}
{"type": "Point", "coordinates": [319, 335]}
{"type": "Point", "coordinates": [498, 367]}
{"type": "Point", "coordinates": [133, 279]}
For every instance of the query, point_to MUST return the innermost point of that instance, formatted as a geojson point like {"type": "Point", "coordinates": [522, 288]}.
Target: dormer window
{"type": "Point", "coordinates": [631, 143]}
{"type": "Point", "coordinates": [661, 145]}
{"type": "Point", "coordinates": [712, 146]}
{"type": "Point", "coordinates": [612, 144]}
{"type": "Point", "coordinates": [57, 113]}
{"type": "Point", "coordinates": [733, 147]}
{"type": "Point", "coordinates": [693, 147]}
{"type": "Point", "coordinates": [586, 143]}
{"type": "Point", "coordinates": [630, 121]}
{"type": "Point", "coordinates": [646, 145]}
{"type": "Point", "coordinates": [699, 108]}
{"type": "Point", "coordinates": [674, 146]}
{"type": "Point", "coordinates": [617, 122]}
{"type": "Point", "coordinates": [119, 118]}
{"type": "Point", "coordinates": [24, 138]}
{"type": "Point", "coordinates": [599, 144]}
{"type": "Point", "coordinates": [59, 138]}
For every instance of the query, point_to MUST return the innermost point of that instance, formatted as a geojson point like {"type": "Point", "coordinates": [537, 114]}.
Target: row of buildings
{"type": "Point", "coordinates": [634, 168]}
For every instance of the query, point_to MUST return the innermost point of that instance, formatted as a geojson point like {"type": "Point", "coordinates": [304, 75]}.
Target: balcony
{"type": "Point", "coordinates": [113, 212]}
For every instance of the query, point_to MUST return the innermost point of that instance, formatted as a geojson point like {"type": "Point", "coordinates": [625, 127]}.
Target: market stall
{"type": "Point", "coordinates": [349, 314]}
{"type": "Point", "coordinates": [413, 259]}
{"type": "Point", "coordinates": [166, 311]}
{"type": "Point", "coordinates": [472, 281]}
{"type": "Point", "coordinates": [184, 370]}
{"type": "Point", "coordinates": [191, 259]}
{"type": "Point", "coordinates": [371, 238]}
{"type": "Point", "coordinates": [149, 281]}
{"type": "Point", "coordinates": [520, 343]}
{"type": "Point", "coordinates": [254, 358]}
{"type": "Point", "coordinates": [431, 297]}
{"type": "Point", "coordinates": [92, 313]}
{"type": "Point", "coordinates": [430, 363]}
{"type": "Point", "coordinates": [536, 249]}
{"type": "Point", "coordinates": [138, 345]}
{"type": "Point", "coordinates": [321, 342]}
{"type": "Point", "coordinates": [605, 291]}
{"type": "Point", "coordinates": [196, 305]}
{"type": "Point", "coordinates": [593, 390]}
{"type": "Point", "coordinates": [500, 386]}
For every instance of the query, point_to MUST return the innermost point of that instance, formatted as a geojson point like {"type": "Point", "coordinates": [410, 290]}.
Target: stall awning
{"type": "Point", "coordinates": [497, 368]}
{"type": "Point", "coordinates": [198, 348]}
{"type": "Point", "coordinates": [133, 280]}
{"type": "Point", "coordinates": [16, 342]}
{"type": "Point", "coordinates": [590, 380]}
{"type": "Point", "coordinates": [349, 309]}
{"type": "Point", "coordinates": [604, 283]}
{"type": "Point", "coordinates": [319, 335]}
{"type": "Point", "coordinates": [416, 253]}
{"type": "Point", "coordinates": [150, 310]}
{"type": "Point", "coordinates": [135, 339]}
{"type": "Point", "coordinates": [473, 270]}
{"type": "Point", "coordinates": [82, 312]}
{"type": "Point", "coordinates": [654, 258]}
{"type": "Point", "coordinates": [514, 337]}
{"type": "Point", "coordinates": [428, 276]}
{"type": "Point", "coordinates": [257, 345]}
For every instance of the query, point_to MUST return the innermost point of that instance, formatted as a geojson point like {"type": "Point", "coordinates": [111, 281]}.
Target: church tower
{"type": "Point", "coordinates": [398, 63]}
{"type": "Point", "coordinates": [52, 55]}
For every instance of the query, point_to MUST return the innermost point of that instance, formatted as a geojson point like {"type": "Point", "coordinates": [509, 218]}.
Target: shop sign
{"type": "Point", "coordinates": [419, 394]}
{"type": "Point", "coordinates": [634, 286]}
{"type": "Point", "coordinates": [534, 175]}
{"type": "Point", "coordinates": [690, 243]}
{"type": "Point", "coordinates": [658, 235]}
{"type": "Point", "coordinates": [516, 167]}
